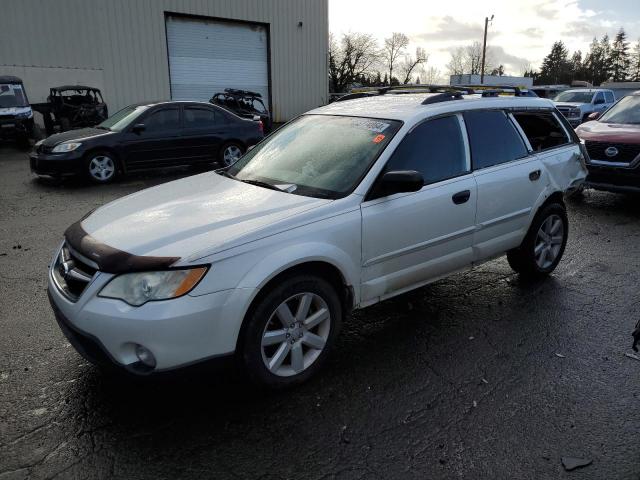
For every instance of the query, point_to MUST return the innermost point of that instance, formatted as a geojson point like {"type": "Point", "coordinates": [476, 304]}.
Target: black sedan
{"type": "Point", "coordinates": [148, 136]}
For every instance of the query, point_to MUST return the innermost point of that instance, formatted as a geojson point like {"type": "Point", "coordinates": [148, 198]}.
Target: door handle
{"type": "Point", "coordinates": [461, 197]}
{"type": "Point", "coordinates": [535, 175]}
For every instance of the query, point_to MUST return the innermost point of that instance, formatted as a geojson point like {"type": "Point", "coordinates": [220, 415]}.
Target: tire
{"type": "Point", "coordinates": [101, 167]}
{"type": "Point", "coordinates": [230, 153]}
{"type": "Point", "coordinates": [276, 364]}
{"type": "Point", "coordinates": [524, 259]}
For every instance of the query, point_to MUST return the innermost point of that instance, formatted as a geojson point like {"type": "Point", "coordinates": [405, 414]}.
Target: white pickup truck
{"type": "Point", "coordinates": [578, 103]}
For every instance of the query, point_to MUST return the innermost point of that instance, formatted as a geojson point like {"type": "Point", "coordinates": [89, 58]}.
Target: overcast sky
{"type": "Point", "coordinates": [522, 31]}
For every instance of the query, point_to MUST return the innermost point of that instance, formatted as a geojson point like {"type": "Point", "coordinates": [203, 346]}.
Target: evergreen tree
{"type": "Point", "coordinates": [634, 73]}
{"type": "Point", "coordinates": [555, 66]}
{"type": "Point", "coordinates": [385, 80]}
{"type": "Point", "coordinates": [619, 57]}
{"type": "Point", "coordinates": [605, 47]}
{"type": "Point", "coordinates": [577, 67]}
{"type": "Point", "coordinates": [418, 80]}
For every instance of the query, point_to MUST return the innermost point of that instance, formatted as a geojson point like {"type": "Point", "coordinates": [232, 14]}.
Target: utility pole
{"type": "Point", "coordinates": [484, 47]}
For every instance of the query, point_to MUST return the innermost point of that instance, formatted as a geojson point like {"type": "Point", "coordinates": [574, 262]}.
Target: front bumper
{"type": "Point", "coordinates": [56, 164]}
{"type": "Point", "coordinates": [11, 128]}
{"type": "Point", "coordinates": [179, 332]}
{"type": "Point", "coordinates": [613, 179]}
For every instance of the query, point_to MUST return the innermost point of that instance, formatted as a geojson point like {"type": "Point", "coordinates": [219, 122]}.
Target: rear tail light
{"type": "Point", "coordinates": [260, 126]}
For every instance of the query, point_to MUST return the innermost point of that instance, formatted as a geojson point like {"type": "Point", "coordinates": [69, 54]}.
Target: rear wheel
{"type": "Point", "coordinates": [101, 167]}
{"type": "Point", "coordinates": [290, 332]}
{"type": "Point", "coordinates": [544, 244]}
{"type": "Point", "coordinates": [230, 154]}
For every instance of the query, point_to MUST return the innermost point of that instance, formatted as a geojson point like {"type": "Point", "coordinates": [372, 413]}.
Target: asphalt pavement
{"type": "Point", "coordinates": [479, 376]}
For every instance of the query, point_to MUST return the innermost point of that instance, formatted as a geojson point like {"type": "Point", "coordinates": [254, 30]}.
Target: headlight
{"type": "Point", "coordinates": [28, 114]}
{"type": "Point", "coordinates": [66, 147]}
{"type": "Point", "coordinates": [139, 288]}
{"type": "Point", "coordinates": [575, 112]}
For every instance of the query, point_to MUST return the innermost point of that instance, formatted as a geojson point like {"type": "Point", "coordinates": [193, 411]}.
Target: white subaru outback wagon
{"type": "Point", "coordinates": [341, 208]}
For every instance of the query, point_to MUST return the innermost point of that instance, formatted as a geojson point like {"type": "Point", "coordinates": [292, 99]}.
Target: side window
{"type": "Point", "coordinates": [434, 148]}
{"type": "Point", "coordinates": [599, 98]}
{"type": "Point", "coordinates": [609, 97]}
{"type": "Point", "coordinates": [542, 130]}
{"type": "Point", "coordinates": [163, 120]}
{"type": "Point", "coordinates": [198, 117]}
{"type": "Point", "coordinates": [493, 138]}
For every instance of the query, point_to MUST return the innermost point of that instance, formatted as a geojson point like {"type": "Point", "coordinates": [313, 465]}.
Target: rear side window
{"type": "Point", "coordinates": [599, 98]}
{"type": "Point", "coordinates": [434, 148]}
{"type": "Point", "coordinates": [163, 120]}
{"type": "Point", "coordinates": [542, 130]}
{"type": "Point", "coordinates": [195, 117]}
{"type": "Point", "coordinates": [493, 138]}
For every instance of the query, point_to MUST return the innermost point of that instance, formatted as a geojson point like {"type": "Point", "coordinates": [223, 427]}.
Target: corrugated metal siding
{"type": "Point", "coordinates": [122, 43]}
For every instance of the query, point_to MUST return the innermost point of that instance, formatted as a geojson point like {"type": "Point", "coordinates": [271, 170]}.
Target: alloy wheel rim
{"type": "Point", "coordinates": [231, 154]}
{"type": "Point", "coordinates": [102, 167]}
{"type": "Point", "coordinates": [296, 334]}
{"type": "Point", "coordinates": [549, 241]}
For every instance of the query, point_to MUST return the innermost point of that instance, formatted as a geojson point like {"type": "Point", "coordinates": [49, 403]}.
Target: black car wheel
{"type": "Point", "coordinates": [289, 333]}
{"type": "Point", "coordinates": [230, 154]}
{"type": "Point", "coordinates": [543, 246]}
{"type": "Point", "coordinates": [102, 167]}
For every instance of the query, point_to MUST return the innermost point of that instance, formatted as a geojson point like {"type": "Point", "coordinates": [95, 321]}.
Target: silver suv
{"type": "Point", "coordinates": [577, 104]}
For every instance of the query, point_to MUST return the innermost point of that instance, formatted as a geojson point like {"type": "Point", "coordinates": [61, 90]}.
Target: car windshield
{"type": "Point", "coordinates": [317, 155]}
{"type": "Point", "coordinates": [625, 111]}
{"type": "Point", "coordinates": [575, 97]}
{"type": "Point", "coordinates": [121, 119]}
{"type": "Point", "coordinates": [12, 95]}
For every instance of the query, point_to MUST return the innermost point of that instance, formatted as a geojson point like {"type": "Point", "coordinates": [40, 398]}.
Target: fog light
{"type": "Point", "coordinates": [145, 356]}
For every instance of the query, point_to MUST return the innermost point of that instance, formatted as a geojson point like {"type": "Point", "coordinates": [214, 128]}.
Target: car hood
{"type": "Point", "coordinates": [568, 104]}
{"type": "Point", "coordinates": [75, 135]}
{"type": "Point", "coordinates": [609, 132]}
{"type": "Point", "coordinates": [194, 216]}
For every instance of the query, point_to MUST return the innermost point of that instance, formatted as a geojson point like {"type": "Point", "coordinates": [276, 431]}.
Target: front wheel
{"type": "Point", "coordinates": [290, 332]}
{"type": "Point", "coordinates": [544, 244]}
{"type": "Point", "coordinates": [101, 167]}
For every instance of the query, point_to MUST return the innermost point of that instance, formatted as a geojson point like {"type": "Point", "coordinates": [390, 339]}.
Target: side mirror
{"type": "Point", "coordinates": [400, 181]}
{"type": "Point", "coordinates": [138, 128]}
{"type": "Point", "coordinates": [594, 116]}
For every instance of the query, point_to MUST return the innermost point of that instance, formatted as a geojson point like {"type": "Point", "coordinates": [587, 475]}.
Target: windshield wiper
{"type": "Point", "coordinates": [224, 173]}
{"type": "Point", "coordinates": [258, 183]}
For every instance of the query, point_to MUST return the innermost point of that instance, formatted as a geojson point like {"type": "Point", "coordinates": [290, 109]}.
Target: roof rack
{"type": "Point", "coordinates": [495, 90]}
{"type": "Point", "coordinates": [430, 88]}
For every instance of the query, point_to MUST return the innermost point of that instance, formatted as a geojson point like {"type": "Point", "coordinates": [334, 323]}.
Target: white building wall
{"type": "Point", "coordinates": [120, 46]}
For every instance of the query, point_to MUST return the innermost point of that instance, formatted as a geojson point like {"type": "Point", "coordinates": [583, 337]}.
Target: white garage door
{"type": "Point", "coordinates": [207, 56]}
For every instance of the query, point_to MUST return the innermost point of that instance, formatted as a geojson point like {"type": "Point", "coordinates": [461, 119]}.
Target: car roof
{"type": "Point", "coordinates": [588, 90]}
{"type": "Point", "coordinates": [10, 79]}
{"type": "Point", "coordinates": [405, 107]}
{"type": "Point", "coordinates": [73, 87]}
{"type": "Point", "coordinates": [172, 102]}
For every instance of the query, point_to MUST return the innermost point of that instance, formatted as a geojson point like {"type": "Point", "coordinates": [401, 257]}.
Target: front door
{"type": "Point", "coordinates": [410, 239]}
{"type": "Point", "coordinates": [157, 145]}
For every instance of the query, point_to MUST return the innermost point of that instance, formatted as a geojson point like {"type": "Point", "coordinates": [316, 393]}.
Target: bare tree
{"type": "Point", "coordinates": [431, 75]}
{"type": "Point", "coordinates": [394, 47]}
{"type": "Point", "coordinates": [456, 64]}
{"type": "Point", "coordinates": [410, 63]}
{"type": "Point", "coordinates": [350, 58]}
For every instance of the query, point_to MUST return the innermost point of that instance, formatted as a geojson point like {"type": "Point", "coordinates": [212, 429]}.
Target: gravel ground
{"type": "Point", "coordinates": [481, 375]}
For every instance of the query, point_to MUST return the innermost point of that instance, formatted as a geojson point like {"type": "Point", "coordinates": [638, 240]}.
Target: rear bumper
{"type": "Point", "coordinates": [15, 128]}
{"type": "Point", "coordinates": [56, 164]}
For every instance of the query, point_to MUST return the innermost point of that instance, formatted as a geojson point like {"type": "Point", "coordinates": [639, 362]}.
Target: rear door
{"type": "Point", "coordinates": [510, 179]}
{"type": "Point", "coordinates": [599, 102]}
{"type": "Point", "coordinates": [409, 239]}
{"type": "Point", "coordinates": [158, 144]}
{"type": "Point", "coordinates": [204, 131]}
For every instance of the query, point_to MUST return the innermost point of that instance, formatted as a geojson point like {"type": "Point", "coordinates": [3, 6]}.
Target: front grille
{"type": "Point", "coordinates": [72, 273]}
{"type": "Point", "coordinates": [8, 118]}
{"type": "Point", "coordinates": [44, 149]}
{"type": "Point", "coordinates": [565, 111]}
{"type": "Point", "coordinates": [626, 153]}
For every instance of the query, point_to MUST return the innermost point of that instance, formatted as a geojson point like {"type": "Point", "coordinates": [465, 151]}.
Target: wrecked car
{"type": "Point", "coordinates": [244, 103]}
{"type": "Point", "coordinates": [72, 106]}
